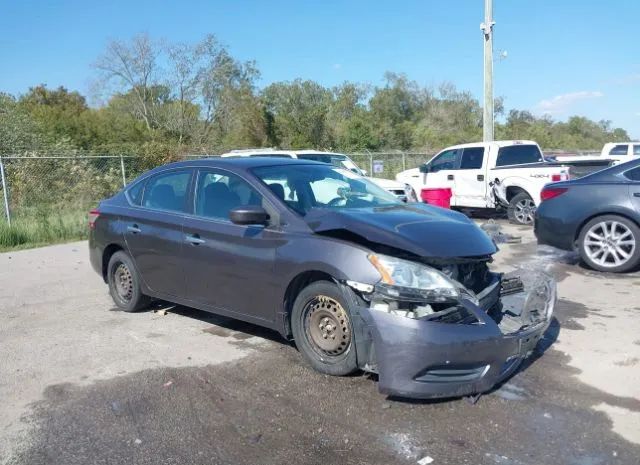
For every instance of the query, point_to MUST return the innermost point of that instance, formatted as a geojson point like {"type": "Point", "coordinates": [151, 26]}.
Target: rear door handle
{"type": "Point", "coordinates": [450, 177]}
{"type": "Point", "coordinates": [134, 229]}
{"type": "Point", "coordinates": [194, 239]}
{"type": "Point", "coordinates": [480, 177]}
{"type": "Point", "coordinates": [636, 194]}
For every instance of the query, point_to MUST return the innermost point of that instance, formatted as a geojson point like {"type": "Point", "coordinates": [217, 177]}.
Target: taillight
{"type": "Point", "coordinates": [564, 176]}
{"type": "Point", "coordinates": [549, 193]}
{"type": "Point", "coordinates": [93, 216]}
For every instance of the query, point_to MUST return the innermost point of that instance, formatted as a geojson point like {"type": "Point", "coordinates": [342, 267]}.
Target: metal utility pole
{"type": "Point", "coordinates": [487, 30]}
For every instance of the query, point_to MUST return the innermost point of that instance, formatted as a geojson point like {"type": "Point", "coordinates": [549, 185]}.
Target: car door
{"type": "Point", "coordinates": [229, 266]}
{"type": "Point", "coordinates": [153, 231]}
{"type": "Point", "coordinates": [470, 185]}
{"type": "Point", "coordinates": [441, 169]}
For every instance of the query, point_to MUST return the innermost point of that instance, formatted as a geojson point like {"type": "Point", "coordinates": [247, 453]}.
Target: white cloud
{"type": "Point", "coordinates": [337, 66]}
{"type": "Point", "coordinates": [561, 103]}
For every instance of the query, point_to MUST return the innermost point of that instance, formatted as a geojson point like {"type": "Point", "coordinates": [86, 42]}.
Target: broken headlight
{"type": "Point", "coordinates": [413, 282]}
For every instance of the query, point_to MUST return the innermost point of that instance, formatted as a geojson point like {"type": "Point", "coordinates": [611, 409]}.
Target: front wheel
{"type": "Point", "coordinates": [610, 243]}
{"type": "Point", "coordinates": [322, 329]}
{"type": "Point", "coordinates": [124, 283]}
{"type": "Point", "coordinates": [521, 209]}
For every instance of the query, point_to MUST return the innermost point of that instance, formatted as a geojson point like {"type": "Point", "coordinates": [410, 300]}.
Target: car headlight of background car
{"type": "Point", "coordinates": [410, 282]}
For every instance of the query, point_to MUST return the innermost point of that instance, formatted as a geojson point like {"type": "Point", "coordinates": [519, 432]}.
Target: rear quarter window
{"type": "Point", "coordinates": [519, 155]}
{"type": "Point", "coordinates": [134, 193]}
{"type": "Point", "coordinates": [633, 175]}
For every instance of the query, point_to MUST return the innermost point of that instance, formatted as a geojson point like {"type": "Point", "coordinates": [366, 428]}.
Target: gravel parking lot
{"type": "Point", "coordinates": [81, 383]}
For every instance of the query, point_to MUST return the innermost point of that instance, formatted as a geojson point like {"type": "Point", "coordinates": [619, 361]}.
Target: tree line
{"type": "Point", "coordinates": [164, 99]}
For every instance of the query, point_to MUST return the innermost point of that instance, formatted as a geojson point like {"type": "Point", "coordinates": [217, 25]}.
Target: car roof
{"type": "Point", "coordinates": [499, 143]}
{"type": "Point", "coordinates": [266, 152]}
{"type": "Point", "coordinates": [239, 163]}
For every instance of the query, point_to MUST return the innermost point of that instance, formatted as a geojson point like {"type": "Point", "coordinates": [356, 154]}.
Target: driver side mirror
{"type": "Point", "coordinates": [249, 215]}
{"type": "Point", "coordinates": [424, 168]}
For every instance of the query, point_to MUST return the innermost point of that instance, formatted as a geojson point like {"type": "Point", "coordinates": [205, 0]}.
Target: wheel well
{"type": "Point", "coordinates": [579, 228]}
{"type": "Point", "coordinates": [512, 191]}
{"type": "Point", "coordinates": [293, 289]}
{"type": "Point", "coordinates": [106, 256]}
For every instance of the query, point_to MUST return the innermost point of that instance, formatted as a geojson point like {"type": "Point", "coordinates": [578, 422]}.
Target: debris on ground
{"type": "Point", "coordinates": [425, 460]}
{"type": "Point", "coordinates": [493, 229]}
{"type": "Point", "coordinates": [168, 383]}
{"type": "Point", "coordinates": [161, 311]}
{"type": "Point", "coordinates": [137, 441]}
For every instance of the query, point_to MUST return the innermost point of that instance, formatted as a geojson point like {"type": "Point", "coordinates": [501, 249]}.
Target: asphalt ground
{"type": "Point", "coordinates": [82, 383]}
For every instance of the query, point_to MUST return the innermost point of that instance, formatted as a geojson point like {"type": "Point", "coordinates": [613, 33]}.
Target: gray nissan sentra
{"type": "Point", "coordinates": [358, 279]}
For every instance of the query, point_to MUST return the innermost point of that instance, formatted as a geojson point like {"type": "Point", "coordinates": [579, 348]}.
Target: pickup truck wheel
{"type": "Point", "coordinates": [322, 330]}
{"type": "Point", "coordinates": [521, 209]}
{"type": "Point", "coordinates": [610, 243]}
{"type": "Point", "coordinates": [124, 283]}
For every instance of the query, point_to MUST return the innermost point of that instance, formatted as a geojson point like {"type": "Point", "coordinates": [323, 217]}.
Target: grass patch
{"type": "Point", "coordinates": [39, 228]}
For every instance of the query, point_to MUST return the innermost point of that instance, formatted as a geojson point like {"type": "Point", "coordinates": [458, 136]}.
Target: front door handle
{"type": "Point", "coordinates": [450, 177]}
{"type": "Point", "coordinates": [480, 177]}
{"type": "Point", "coordinates": [194, 239]}
{"type": "Point", "coordinates": [636, 194]}
{"type": "Point", "coordinates": [134, 229]}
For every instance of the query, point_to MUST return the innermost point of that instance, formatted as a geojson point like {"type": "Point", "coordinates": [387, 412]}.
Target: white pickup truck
{"type": "Point", "coordinates": [617, 152]}
{"type": "Point", "coordinates": [500, 174]}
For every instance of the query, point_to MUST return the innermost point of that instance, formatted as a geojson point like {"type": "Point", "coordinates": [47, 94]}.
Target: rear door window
{"type": "Point", "coordinates": [472, 158]}
{"type": "Point", "coordinates": [620, 149]}
{"type": "Point", "coordinates": [636, 150]}
{"type": "Point", "coordinates": [167, 191]}
{"type": "Point", "coordinates": [519, 155]}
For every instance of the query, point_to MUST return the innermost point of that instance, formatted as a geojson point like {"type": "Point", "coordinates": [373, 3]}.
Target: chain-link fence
{"type": "Point", "coordinates": [52, 194]}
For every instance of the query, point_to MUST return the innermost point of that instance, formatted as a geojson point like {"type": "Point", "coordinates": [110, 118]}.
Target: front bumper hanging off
{"type": "Point", "coordinates": [428, 359]}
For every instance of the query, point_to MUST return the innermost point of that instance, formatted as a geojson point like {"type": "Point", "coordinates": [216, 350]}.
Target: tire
{"type": "Point", "coordinates": [521, 209]}
{"type": "Point", "coordinates": [320, 306]}
{"type": "Point", "coordinates": [124, 283]}
{"type": "Point", "coordinates": [610, 243]}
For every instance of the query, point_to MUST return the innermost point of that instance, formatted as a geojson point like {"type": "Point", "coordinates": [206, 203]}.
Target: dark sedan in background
{"type": "Point", "coordinates": [599, 215]}
{"type": "Point", "coordinates": [359, 279]}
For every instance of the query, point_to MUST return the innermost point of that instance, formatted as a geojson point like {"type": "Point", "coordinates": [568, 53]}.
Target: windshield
{"type": "Point", "coordinates": [335, 159]}
{"type": "Point", "coordinates": [303, 187]}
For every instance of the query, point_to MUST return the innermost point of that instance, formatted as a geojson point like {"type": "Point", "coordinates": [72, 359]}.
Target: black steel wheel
{"type": "Point", "coordinates": [322, 329]}
{"type": "Point", "coordinates": [124, 283]}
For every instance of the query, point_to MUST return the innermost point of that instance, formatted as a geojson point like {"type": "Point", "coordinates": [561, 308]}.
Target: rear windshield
{"type": "Point", "coordinates": [519, 155]}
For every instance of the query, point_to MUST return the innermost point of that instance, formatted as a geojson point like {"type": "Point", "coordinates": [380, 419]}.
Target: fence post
{"type": "Point", "coordinates": [4, 192]}
{"type": "Point", "coordinates": [404, 162]}
{"type": "Point", "coordinates": [124, 176]}
{"type": "Point", "coordinates": [370, 164]}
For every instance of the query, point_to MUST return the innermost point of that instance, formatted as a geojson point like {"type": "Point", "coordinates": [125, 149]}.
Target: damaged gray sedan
{"type": "Point", "coordinates": [358, 279]}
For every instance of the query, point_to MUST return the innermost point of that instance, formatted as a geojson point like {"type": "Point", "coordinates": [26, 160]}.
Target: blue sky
{"type": "Point", "coordinates": [564, 57]}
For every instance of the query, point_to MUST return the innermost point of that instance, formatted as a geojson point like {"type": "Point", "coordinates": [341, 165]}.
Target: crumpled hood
{"type": "Point", "coordinates": [420, 229]}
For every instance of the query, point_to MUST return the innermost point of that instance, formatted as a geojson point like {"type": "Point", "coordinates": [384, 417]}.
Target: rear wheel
{"type": "Point", "coordinates": [521, 209]}
{"type": "Point", "coordinates": [322, 329]}
{"type": "Point", "coordinates": [610, 243]}
{"type": "Point", "coordinates": [124, 283]}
